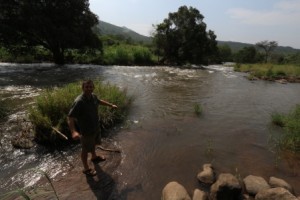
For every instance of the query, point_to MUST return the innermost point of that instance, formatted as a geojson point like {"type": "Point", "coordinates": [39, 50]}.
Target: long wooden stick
{"type": "Point", "coordinates": [59, 133]}
{"type": "Point", "coordinates": [110, 150]}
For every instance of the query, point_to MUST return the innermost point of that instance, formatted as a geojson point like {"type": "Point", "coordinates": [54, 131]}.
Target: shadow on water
{"type": "Point", "coordinates": [102, 184]}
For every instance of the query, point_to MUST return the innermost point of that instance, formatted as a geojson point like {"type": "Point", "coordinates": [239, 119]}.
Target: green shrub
{"type": "Point", "coordinates": [291, 123]}
{"type": "Point", "coordinates": [142, 55]}
{"type": "Point", "coordinates": [123, 56]}
{"type": "Point", "coordinates": [278, 119]}
{"type": "Point", "coordinates": [198, 109]}
{"type": "Point", "coordinates": [52, 106]}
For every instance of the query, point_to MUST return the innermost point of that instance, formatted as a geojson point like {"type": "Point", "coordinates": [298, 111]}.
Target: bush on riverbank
{"type": "Point", "coordinates": [271, 71]}
{"type": "Point", "coordinates": [127, 55]}
{"type": "Point", "coordinates": [52, 106]}
{"type": "Point", "coordinates": [121, 54]}
{"type": "Point", "coordinates": [291, 123]}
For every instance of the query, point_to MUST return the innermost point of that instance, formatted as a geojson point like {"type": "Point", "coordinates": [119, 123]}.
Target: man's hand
{"type": "Point", "coordinates": [75, 135]}
{"type": "Point", "coordinates": [114, 106]}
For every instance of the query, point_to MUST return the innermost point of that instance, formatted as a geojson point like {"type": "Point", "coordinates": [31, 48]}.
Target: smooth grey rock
{"type": "Point", "coordinates": [254, 184]}
{"type": "Point", "coordinates": [278, 193]}
{"type": "Point", "coordinates": [174, 191]}
{"type": "Point", "coordinates": [199, 195]}
{"type": "Point", "coordinates": [207, 176]}
{"type": "Point", "coordinates": [277, 182]}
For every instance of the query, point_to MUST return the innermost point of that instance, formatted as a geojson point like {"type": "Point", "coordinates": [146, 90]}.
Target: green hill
{"type": "Point", "coordinates": [105, 28]}
{"type": "Point", "coordinates": [236, 46]}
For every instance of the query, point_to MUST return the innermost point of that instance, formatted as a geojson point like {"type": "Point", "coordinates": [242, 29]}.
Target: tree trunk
{"type": "Point", "coordinates": [58, 56]}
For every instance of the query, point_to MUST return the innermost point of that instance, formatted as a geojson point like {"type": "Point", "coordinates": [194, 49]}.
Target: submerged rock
{"type": "Point", "coordinates": [22, 143]}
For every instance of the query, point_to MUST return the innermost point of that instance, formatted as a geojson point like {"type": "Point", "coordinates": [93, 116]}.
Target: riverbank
{"type": "Point", "coordinates": [271, 72]}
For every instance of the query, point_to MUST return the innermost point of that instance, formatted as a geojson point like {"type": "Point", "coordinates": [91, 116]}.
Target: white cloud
{"type": "Point", "coordinates": [282, 13]}
{"type": "Point", "coordinates": [289, 6]}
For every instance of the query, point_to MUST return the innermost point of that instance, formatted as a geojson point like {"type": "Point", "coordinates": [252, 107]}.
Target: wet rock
{"type": "Point", "coordinates": [282, 81]}
{"type": "Point", "coordinates": [174, 191]}
{"type": "Point", "coordinates": [274, 194]}
{"type": "Point", "coordinates": [200, 195]}
{"type": "Point", "coordinates": [277, 182]}
{"type": "Point", "coordinates": [207, 176]}
{"type": "Point", "coordinates": [226, 187]}
{"type": "Point", "coordinates": [22, 143]}
{"type": "Point", "coordinates": [254, 184]}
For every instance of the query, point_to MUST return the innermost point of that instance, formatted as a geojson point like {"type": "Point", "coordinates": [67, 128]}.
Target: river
{"type": "Point", "coordinates": [163, 139]}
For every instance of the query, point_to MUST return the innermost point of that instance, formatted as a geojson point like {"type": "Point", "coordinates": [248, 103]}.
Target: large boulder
{"type": "Point", "coordinates": [254, 184]}
{"type": "Point", "coordinates": [227, 187]}
{"type": "Point", "coordinates": [207, 176]}
{"type": "Point", "coordinates": [174, 191]}
{"type": "Point", "coordinates": [275, 194]}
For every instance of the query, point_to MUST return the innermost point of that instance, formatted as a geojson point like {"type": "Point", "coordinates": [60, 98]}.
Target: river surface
{"type": "Point", "coordinates": [163, 139]}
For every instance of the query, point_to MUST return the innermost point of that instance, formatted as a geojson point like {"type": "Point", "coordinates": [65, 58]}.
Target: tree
{"type": "Point", "coordinates": [182, 38]}
{"type": "Point", "coordinates": [225, 53]}
{"type": "Point", "coordinates": [53, 24]}
{"type": "Point", "coordinates": [246, 55]}
{"type": "Point", "coordinates": [268, 47]}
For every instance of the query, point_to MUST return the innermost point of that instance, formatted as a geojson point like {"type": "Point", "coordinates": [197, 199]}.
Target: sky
{"type": "Point", "coordinates": [248, 21]}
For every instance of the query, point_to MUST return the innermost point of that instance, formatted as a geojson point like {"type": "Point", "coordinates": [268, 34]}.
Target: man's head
{"type": "Point", "coordinates": [87, 87]}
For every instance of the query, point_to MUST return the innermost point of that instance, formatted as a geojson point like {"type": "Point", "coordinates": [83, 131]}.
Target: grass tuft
{"type": "Point", "coordinates": [52, 106]}
{"type": "Point", "coordinates": [291, 123]}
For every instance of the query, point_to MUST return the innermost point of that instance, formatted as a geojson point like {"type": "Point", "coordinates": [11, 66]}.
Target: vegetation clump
{"type": "Point", "coordinates": [4, 109]}
{"type": "Point", "coordinates": [198, 109]}
{"type": "Point", "coordinates": [49, 114]}
{"type": "Point", "coordinates": [291, 123]}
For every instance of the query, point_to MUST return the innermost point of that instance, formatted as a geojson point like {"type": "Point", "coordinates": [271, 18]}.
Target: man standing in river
{"type": "Point", "coordinates": [84, 112]}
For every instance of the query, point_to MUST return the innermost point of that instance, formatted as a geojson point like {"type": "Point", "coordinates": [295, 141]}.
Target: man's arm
{"type": "Point", "coordinates": [74, 132]}
{"type": "Point", "coordinates": [102, 102]}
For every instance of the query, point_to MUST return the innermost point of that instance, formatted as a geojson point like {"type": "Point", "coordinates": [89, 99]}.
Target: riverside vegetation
{"type": "Point", "coordinates": [268, 71]}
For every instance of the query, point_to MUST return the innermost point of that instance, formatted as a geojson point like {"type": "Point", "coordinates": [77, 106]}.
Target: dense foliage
{"type": "Point", "coordinates": [182, 38]}
{"type": "Point", "coordinates": [52, 24]}
{"type": "Point", "coordinates": [52, 106]}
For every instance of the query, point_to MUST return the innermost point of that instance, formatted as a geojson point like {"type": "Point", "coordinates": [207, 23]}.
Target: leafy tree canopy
{"type": "Point", "coordinates": [56, 25]}
{"type": "Point", "coordinates": [182, 37]}
{"type": "Point", "coordinates": [246, 55]}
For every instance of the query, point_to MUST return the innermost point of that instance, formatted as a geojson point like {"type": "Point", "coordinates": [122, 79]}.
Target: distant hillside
{"type": "Point", "coordinates": [236, 46]}
{"type": "Point", "coordinates": [105, 28]}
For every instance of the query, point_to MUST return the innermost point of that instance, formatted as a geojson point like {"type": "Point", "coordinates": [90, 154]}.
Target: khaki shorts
{"type": "Point", "coordinates": [88, 142]}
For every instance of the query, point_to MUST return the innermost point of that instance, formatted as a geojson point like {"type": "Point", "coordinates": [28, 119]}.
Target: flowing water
{"type": "Point", "coordinates": [163, 139]}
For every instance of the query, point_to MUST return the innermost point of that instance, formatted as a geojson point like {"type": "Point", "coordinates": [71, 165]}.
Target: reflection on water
{"type": "Point", "coordinates": [166, 140]}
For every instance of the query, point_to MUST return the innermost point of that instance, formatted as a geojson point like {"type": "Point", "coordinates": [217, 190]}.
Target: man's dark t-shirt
{"type": "Point", "coordinates": [85, 110]}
